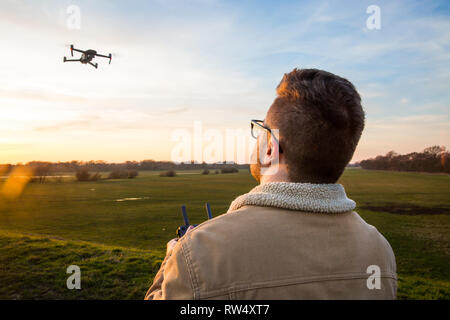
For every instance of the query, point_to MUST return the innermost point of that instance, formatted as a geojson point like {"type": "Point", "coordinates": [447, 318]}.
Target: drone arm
{"type": "Point", "coordinates": [94, 65]}
{"type": "Point", "coordinates": [103, 56]}
{"type": "Point", "coordinates": [71, 60]}
{"type": "Point", "coordinates": [73, 49]}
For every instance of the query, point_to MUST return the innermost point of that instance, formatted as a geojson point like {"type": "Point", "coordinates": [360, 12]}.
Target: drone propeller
{"type": "Point", "coordinates": [117, 55]}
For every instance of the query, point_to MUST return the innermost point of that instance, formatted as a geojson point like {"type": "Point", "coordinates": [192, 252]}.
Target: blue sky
{"type": "Point", "coordinates": [176, 62]}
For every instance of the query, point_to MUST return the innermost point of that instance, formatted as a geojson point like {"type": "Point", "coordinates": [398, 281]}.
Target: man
{"type": "Point", "coordinates": [295, 235]}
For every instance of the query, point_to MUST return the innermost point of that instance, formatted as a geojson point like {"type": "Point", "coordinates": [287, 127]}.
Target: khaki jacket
{"type": "Point", "coordinates": [259, 252]}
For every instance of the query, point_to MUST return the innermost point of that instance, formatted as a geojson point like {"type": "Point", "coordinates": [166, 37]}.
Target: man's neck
{"type": "Point", "coordinates": [279, 174]}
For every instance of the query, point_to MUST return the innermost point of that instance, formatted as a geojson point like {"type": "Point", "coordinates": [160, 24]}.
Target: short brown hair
{"type": "Point", "coordinates": [320, 119]}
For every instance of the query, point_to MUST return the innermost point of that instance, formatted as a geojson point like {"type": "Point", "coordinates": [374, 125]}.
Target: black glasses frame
{"type": "Point", "coordinates": [260, 123]}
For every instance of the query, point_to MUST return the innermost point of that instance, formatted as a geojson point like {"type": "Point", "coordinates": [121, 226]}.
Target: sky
{"type": "Point", "coordinates": [181, 65]}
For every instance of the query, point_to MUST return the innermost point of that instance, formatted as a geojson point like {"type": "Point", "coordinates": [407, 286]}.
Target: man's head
{"type": "Point", "coordinates": [320, 121]}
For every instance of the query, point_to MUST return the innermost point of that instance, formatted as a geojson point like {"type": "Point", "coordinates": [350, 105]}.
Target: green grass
{"type": "Point", "coordinates": [119, 245]}
{"type": "Point", "coordinates": [35, 267]}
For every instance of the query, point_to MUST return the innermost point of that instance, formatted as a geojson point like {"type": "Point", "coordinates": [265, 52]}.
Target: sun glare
{"type": "Point", "coordinates": [16, 182]}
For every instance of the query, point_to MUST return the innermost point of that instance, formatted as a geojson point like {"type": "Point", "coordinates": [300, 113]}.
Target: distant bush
{"type": "Point", "coordinates": [170, 173]}
{"type": "Point", "coordinates": [229, 170]}
{"type": "Point", "coordinates": [205, 171]}
{"type": "Point", "coordinates": [217, 171]}
{"type": "Point", "coordinates": [40, 172]}
{"type": "Point", "coordinates": [116, 174]}
{"type": "Point", "coordinates": [132, 174]}
{"type": "Point", "coordinates": [84, 175]}
{"type": "Point", "coordinates": [123, 174]}
{"type": "Point", "coordinates": [96, 176]}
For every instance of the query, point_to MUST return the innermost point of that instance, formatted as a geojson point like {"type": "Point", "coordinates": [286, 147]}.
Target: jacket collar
{"type": "Point", "coordinates": [324, 198]}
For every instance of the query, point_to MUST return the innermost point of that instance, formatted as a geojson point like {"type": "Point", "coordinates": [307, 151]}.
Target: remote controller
{"type": "Point", "coordinates": [182, 229]}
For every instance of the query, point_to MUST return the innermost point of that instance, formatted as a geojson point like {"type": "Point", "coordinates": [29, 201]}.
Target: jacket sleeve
{"type": "Point", "coordinates": [173, 280]}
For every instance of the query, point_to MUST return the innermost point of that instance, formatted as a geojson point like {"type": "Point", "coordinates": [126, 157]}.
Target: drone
{"type": "Point", "coordinates": [87, 56]}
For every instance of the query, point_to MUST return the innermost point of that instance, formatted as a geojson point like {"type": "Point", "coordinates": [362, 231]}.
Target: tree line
{"type": "Point", "coordinates": [43, 169]}
{"type": "Point", "coordinates": [431, 159]}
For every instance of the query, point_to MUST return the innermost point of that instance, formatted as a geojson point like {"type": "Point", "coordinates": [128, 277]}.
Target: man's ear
{"type": "Point", "coordinates": [272, 154]}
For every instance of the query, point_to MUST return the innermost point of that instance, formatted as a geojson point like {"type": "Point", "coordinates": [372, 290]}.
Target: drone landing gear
{"type": "Point", "coordinates": [94, 65]}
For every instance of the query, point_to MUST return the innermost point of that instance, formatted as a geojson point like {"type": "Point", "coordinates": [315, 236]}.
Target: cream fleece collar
{"type": "Point", "coordinates": [325, 198]}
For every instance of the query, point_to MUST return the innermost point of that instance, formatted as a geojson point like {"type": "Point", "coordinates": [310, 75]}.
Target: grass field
{"type": "Point", "coordinates": [116, 230]}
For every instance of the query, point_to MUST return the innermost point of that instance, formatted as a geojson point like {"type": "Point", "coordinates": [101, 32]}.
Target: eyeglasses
{"type": "Point", "coordinates": [258, 127]}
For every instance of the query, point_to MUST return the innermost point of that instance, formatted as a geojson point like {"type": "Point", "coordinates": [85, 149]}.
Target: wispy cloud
{"type": "Point", "coordinates": [176, 111]}
{"type": "Point", "coordinates": [83, 123]}
{"type": "Point", "coordinates": [30, 94]}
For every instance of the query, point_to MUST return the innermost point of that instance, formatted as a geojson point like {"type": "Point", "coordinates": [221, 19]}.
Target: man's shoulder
{"type": "Point", "coordinates": [214, 229]}
{"type": "Point", "coordinates": [238, 221]}
{"type": "Point", "coordinates": [230, 235]}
